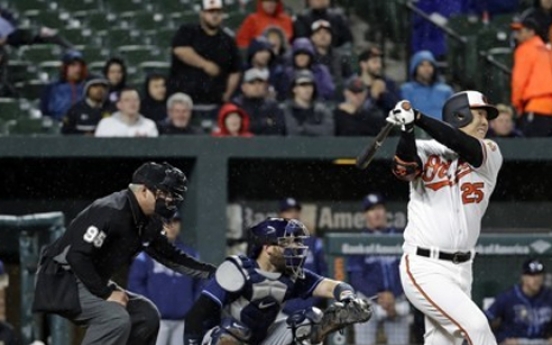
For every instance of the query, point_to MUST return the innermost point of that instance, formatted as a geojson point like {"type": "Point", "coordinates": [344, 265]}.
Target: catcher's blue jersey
{"type": "Point", "coordinates": [522, 316]}
{"type": "Point", "coordinates": [262, 296]}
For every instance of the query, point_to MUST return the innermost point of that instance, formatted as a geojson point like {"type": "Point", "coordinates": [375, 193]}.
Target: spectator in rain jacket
{"type": "Point", "coordinates": [232, 122]}
{"type": "Point", "coordinates": [425, 90]}
{"type": "Point", "coordinates": [115, 72]}
{"type": "Point", "coordinates": [261, 56]}
{"type": "Point", "coordinates": [269, 13]}
{"type": "Point", "coordinates": [60, 95]}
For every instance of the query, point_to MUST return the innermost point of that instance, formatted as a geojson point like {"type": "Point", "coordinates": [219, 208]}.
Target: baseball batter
{"type": "Point", "coordinates": [451, 180]}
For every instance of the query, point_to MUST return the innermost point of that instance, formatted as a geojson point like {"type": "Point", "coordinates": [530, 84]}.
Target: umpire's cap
{"type": "Point", "coordinates": [163, 176]}
{"type": "Point", "coordinates": [533, 266]}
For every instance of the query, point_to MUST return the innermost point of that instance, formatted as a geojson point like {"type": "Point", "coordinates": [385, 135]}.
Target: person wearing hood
{"type": "Point", "coordinates": [322, 10]}
{"type": "Point", "coordinates": [261, 56]}
{"type": "Point", "coordinates": [541, 13]}
{"type": "Point", "coordinates": [278, 43]}
{"type": "Point", "coordinates": [83, 117]}
{"type": "Point", "coordinates": [304, 115]}
{"type": "Point", "coordinates": [115, 72]}
{"type": "Point", "coordinates": [304, 58]}
{"type": "Point", "coordinates": [266, 117]}
{"type": "Point", "coordinates": [232, 122]}
{"type": "Point", "coordinates": [154, 103]}
{"type": "Point", "coordinates": [425, 90]}
{"type": "Point", "coordinates": [59, 96]}
{"type": "Point", "coordinates": [269, 13]}
{"type": "Point", "coordinates": [178, 121]}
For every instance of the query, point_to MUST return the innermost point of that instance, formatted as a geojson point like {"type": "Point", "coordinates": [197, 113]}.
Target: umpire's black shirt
{"type": "Point", "coordinates": [108, 234]}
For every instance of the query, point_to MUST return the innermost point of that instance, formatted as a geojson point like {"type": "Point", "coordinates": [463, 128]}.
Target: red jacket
{"type": "Point", "coordinates": [256, 23]}
{"type": "Point", "coordinates": [532, 77]}
{"type": "Point", "coordinates": [226, 109]}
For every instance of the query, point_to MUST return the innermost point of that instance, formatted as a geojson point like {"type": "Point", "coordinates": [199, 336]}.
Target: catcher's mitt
{"type": "Point", "coordinates": [339, 315]}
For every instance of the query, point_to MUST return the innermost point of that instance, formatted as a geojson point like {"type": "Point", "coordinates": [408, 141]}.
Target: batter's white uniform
{"type": "Point", "coordinates": [445, 209]}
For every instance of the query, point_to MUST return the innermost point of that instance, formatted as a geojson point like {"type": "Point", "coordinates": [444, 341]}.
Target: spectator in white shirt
{"type": "Point", "coordinates": [127, 122]}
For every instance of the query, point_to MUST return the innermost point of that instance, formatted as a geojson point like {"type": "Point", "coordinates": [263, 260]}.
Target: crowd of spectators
{"type": "Point", "coordinates": [279, 74]}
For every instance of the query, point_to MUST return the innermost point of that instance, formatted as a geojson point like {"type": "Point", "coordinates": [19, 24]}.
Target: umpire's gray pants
{"type": "Point", "coordinates": [109, 323]}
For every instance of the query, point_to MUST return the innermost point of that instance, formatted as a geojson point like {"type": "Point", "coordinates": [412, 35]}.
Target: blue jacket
{"type": "Point", "coordinates": [315, 262]}
{"type": "Point", "coordinates": [372, 274]}
{"type": "Point", "coordinates": [429, 99]}
{"type": "Point", "coordinates": [521, 316]}
{"type": "Point", "coordinates": [172, 292]}
{"type": "Point", "coordinates": [325, 85]}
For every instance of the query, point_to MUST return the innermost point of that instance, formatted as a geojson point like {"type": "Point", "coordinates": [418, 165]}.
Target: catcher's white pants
{"type": "Point", "coordinates": [442, 291]}
{"type": "Point", "coordinates": [170, 333]}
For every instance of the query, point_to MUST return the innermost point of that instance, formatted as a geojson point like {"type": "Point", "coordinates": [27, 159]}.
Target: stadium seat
{"type": "Point", "coordinates": [97, 20]}
{"type": "Point", "coordinates": [49, 70]}
{"type": "Point", "coordinates": [20, 71]}
{"type": "Point", "coordinates": [146, 20]}
{"type": "Point", "coordinates": [162, 37]}
{"type": "Point", "coordinates": [39, 53]}
{"type": "Point", "coordinates": [33, 5]}
{"type": "Point", "coordinates": [26, 126]}
{"type": "Point", "coordinates": [93, 53]}
{"type": "Point", "coordinates": [81, 5]}
{"type": "Point", "coordinates": [10, 109]}
{"type": "Point", "coordinates": [117, 36]}
{"type": "Point", "coordinates": [160, 67]}
{"type": "Point", "coordinates": [50, 18]}
{"type": "Point", "coordinates": [80, 36]}
{"type": "Point", "coordinates": [134, 55]}
{"type": "Point", "coordinates": [96, 67]}
{"type": "Point", "coordinates": [124, 6]}
{"type": "Point", "coordinates": [172, 6]}
{"type": "Point", "coordinates": [185, 18]}
{"type": "Point", "coordinates": [31, 89]}
{"type": "Point", "coordinates": [234, 20]}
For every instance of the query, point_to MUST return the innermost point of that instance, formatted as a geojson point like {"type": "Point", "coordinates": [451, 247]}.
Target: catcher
{"type": "Point", "coordinates": [242, 305]}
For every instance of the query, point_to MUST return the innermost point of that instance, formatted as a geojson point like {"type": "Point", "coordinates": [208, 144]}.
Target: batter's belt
{"type": "Point", "coordinates": [457, 258]}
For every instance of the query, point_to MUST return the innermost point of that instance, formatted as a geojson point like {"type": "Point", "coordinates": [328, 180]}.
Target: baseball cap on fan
{"type": "Point", "coordinates": [321, 24]}
{"type": "Point", "coordinates": [371, 200]}
{"type": "Point", "coordinates": [253, 74]}
{"type": "Point", "coordinates": [533, 267]}
{"type": "Point", "coordinates": [208, 5]}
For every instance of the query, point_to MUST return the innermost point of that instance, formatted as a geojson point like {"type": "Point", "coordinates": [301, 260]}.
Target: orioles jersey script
{"type": "Point", "coordinates": [449, 198]}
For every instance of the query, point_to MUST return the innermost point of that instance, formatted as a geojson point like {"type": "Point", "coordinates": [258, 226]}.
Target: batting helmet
{"type": "Point", "coordinates": [457, 109]}
{"type": "Point", "coordinates": [288, 234]}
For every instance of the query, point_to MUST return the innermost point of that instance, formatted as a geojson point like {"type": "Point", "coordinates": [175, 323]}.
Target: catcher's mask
{"type": "Point", "coordinates": [289, 235]}
{"type": "Point", "coordinates": [166, 182]}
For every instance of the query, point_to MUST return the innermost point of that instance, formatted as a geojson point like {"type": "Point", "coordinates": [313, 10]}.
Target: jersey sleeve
{"type": "Point", "coordinates": [228, 282]}
{"type": "Point", "coordinates": [427, 148]}
{"type": "Point", "coordinates": [88, 234]}
{"type": "Point", "coordinates": [304, 288]}
{"type": "Point", "coordinates": [496, 310]}
{"type": "Point", "coordinates": [492, 161]}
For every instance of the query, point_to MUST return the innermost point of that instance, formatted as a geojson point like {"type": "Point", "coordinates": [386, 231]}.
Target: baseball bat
{"type": "Point", "coordinates": [369, 152]}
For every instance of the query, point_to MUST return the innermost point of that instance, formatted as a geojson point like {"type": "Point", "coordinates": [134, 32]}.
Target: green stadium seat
{"type": "Point", "coordinates": [160, 67]}
{"type": "Point", "coordinates": [234, 20]}
{"type": "Point", "coordinates": [124, 6]}
{"type": "Point", "coordinates": [146, 20]}
{"type": "Point", "coordinates": [80, 36]}
{"type": "Point", "coordinates": [81, 5]}
{"type": "Point", "coordinates": [162, 37]}
{"type": "Point", "coordinates": [96, 67]}
{"type": "Point", "coordinates": [20, 71]}
{"type": "Point", "coordinates": [33, 5]}
{"type": "Point", "coordinates": [31, 89]}
{"type": "Point", "coordinates": [134, 55]}
{"type": "Point", "coordinates": [491, 37]}
{"type": "Point", "coordinates": [39, 53]}
{"type": "Point", "coordinates": [115, 37]}
{"type": "Point", "coordinates": [26, 126]}
{"type": "Point", "coordinates": [97, 20]}
{"type": "Point", "coordinates": [185, 18]}
{"type": "Point", "coordinates": [172, 6]}
{"type": "Point", "coordinates": [50, 18]}
{"type": "Point", "coordinates": [92, 53]}
{"type": "Point", "coordinates": [10, 109]}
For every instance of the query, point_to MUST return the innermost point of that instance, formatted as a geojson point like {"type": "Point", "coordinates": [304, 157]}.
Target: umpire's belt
{"type": "Point", "coordinates": [456, 258]}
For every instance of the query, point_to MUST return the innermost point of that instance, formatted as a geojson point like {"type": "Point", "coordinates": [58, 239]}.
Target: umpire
{"type": "Point", "coordinates": [73, 278]}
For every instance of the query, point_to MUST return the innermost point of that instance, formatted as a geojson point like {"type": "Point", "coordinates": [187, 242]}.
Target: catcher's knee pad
{"type": "Point", "coordinates": [230, 332]}
{"type": "Point", "coordinates": [302, 322]}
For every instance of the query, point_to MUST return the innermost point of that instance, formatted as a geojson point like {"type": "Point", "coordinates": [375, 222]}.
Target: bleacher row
{"type": "Point", "coordinates": [139, 31]}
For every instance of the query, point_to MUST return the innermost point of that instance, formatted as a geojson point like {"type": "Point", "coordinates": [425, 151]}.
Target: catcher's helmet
{"type": "Point", "coordinates": [289, 234]}
{"type": "Point", "coordinates": [457, 109]}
